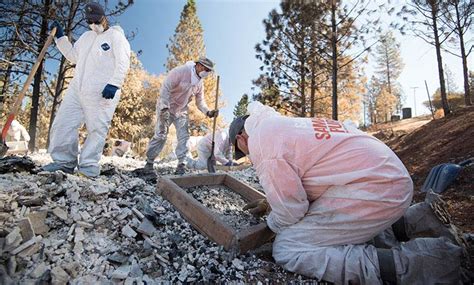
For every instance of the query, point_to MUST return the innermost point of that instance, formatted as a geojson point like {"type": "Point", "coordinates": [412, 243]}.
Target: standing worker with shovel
{"type": "Point", "coordinates": [102, 58]}
{"type": "Point", "coordinates": [179, 86]}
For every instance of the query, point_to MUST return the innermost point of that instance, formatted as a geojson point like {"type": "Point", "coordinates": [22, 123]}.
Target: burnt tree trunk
{"type": "Point", "coordinates": [334, 59]}
{"type": "Point", "coordinates": [465, 71]}
{"type": "Point", "coordinates": [37, 78]}
{"type": "Point", "coordinates": [444, 98]}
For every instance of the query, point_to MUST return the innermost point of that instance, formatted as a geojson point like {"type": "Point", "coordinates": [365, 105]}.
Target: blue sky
{"type": "Point", "coordinates": [231, 30]}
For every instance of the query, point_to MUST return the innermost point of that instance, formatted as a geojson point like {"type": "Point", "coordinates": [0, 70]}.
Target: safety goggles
{"type": "Point", "coordinates": [94, 22]}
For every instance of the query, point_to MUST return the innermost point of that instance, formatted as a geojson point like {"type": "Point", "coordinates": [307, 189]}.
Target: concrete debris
{"type": "Point", "coordinates": [27, 231]}
{"type": "Point", "coordinates": [60, 213]}
{"type": "Point", "coordinates": [85, 225]}
{"type": "Point", "coordinates": [26, 245]}
{"type": "Point", "coordinates": [79, 234]}
{"type": "Point", "coordinates": [66, 229]}
{"type": "Point", "coordinates": [39, 270]}
{"type": "Point", "coordinates": [138, 213]}
{"type": "Point", "coordinates": [59, 276]}
{"type": "Point", "coordinates": [29, 251]}
{"type": "Point", "coordinates": [121, 272]}
{"type": "Point", "coordinates": [128, 232]}
{"type": "Point", "coordinates": [11, 265]}
{"type": "Point", "coordinates": [118, 258]}
{"type": "Point", "coordinates": [12, 240]}
{"type": "Point", "coordinates": [37, 220]}
{"type": "Point", "coordinates": [238, 264]}
{"type": "Point", "coordinates": [146, 228]}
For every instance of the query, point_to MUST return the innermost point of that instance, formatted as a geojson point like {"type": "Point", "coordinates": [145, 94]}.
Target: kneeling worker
{"type": "Point", "coordinates": [222, 150]}
{"type": "Point", "coordinates": [330, 189]}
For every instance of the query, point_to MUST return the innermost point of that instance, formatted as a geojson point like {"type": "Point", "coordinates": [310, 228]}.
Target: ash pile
{"type": "Point", "coordinates": [59, 228]}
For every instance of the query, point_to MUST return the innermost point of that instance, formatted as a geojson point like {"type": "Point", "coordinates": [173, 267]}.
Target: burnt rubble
{"type": "Point", "coordinates": [60, 228]}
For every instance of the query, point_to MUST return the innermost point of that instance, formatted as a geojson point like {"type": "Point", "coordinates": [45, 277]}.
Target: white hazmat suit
{"type": "Point", "coordinates": [101, 59]}
{"type": "Point", "coordinates": [332, 189]}
{"type": "Point", "coordinates": [178, 88]}
{"type": "Point", "coordinates": [17, 131]}
{"type": "Point", "coordinates": [222, 150]}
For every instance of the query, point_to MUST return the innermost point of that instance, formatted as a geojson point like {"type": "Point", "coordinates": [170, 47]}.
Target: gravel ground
{"type": "Point", "coordinates": [57, 228]}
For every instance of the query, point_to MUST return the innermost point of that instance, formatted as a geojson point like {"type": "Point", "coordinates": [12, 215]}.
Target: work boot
{"type": "Point", "coordinates": [422, 261]}
{"type": "Point", "coordinates": [148, 167]}
{"type": "Point", "coordinates": [181, 169]}
{"type": "Point", "coordinates": [54, 166]}
{"type": "Point", "coordinates": [83, 175]}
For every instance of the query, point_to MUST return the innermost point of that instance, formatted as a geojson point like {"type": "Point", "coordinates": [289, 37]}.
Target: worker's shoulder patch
{"type": "Point", "coordinates": [105, 46]}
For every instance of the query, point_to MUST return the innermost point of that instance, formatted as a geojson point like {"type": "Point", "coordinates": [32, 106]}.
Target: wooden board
{"type": "Point", "coordinates": [233, 168]}
{"type": "Point", "coordinates": [196, 214]}
{"type": "Point", "coordinates": [208, 223]}
{"type": "Point", "coordinates": [189, 181]}
{"type": "Point", "coordinates": [254, 237]}
{"type": "Point", "coordinates": [249, 193]}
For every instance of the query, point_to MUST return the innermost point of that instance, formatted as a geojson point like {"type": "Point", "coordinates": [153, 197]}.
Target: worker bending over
{"type": "Point", "coordinates": [16, 132]}
{"type": "Point", "coordinates": [222, 150]}
{"type": "Point", "coordinates": [332, 195]}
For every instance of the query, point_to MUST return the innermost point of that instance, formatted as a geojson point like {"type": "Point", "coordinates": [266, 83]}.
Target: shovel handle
{"type": "Point", "coordinates": [215, 108]}
{"type": "Point", "coordinates": [20, 97]}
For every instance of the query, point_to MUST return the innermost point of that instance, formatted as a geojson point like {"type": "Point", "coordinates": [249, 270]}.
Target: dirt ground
{"type": "Point", "coordinates": [445, 140]}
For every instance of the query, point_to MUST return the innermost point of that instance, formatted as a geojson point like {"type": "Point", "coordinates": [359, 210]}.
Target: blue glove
{"type": "Point", "coordinates": [59, 30]}
{"type": "Point", "coordinates": [212, 114]}
{"type": "Point", "coordinates": [109, 91]}
{"type": "Point", "coordinates": [230, 163]}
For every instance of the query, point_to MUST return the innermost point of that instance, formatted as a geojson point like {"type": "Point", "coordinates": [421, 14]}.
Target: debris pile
{"type": "Point", "coordinates": [59, 228]}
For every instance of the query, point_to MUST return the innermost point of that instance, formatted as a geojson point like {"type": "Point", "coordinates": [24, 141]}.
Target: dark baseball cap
{"type": "Point", "coordinates": [236, 127]}
{"type": "Point", "coordinates": [94, 12]}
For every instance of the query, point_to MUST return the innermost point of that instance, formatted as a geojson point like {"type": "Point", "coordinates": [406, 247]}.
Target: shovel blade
{"type": "Point", "coordinates": [3, 149]}
{"type": "Point", "coordinates": [211, 164]}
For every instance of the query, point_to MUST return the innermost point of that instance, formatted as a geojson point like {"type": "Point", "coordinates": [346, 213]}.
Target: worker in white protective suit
{"type": "Point", "coordinates": [102, 59]}
{"type": "Point", "coordinates": [120, 148]}
{"type": "Point", "coordinates": [332, 195]}
{"type": "Point", "coordinates": [222, 150]}
{"type": "Point", "coordinates": [17, 131]}
{"type": "Point", "coordinates": [177, 90]}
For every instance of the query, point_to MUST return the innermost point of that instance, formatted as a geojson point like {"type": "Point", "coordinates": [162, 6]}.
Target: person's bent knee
{"type": "Point", "coordinates": [160, 137]}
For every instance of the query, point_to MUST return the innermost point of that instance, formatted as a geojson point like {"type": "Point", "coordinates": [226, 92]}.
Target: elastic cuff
{"type": "Point", "coordinates": [387, 269]}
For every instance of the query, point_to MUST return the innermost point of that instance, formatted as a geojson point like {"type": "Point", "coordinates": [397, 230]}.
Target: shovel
{"type": "Point", "coordinates": [211, 161]}
{"type": "Point", "coordinates": [443, 175]}
{"type": "Point", "coordinates": [19, 99]}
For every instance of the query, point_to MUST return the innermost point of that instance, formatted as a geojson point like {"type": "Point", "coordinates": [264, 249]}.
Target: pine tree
{"type": "Point", "coordinates": [187, 44]}
{"type": "Point", "coordinates": [241, 107]}
{"type": "Point", "coordinates": [424, 20]}
{"type": "Point", "coordinates": [458, 17]}
{"type": "Point", "coordinates": [385, 104]}
{"type": "Point", "coordinates": [389, 64]}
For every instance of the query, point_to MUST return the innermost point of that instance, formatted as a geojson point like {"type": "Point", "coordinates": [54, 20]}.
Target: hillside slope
{"type": "Point", "coordinates": [450, 139]}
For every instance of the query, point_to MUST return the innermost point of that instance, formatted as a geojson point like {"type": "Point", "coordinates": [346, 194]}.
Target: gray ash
{"type": "Point", "coordinates": [225, 203]}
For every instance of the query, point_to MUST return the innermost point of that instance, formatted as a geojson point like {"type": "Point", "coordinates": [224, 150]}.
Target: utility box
{"type": "Point", "coordinates": [406, 112]}
{"type": "Point", "coordinates": [395, 118]}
